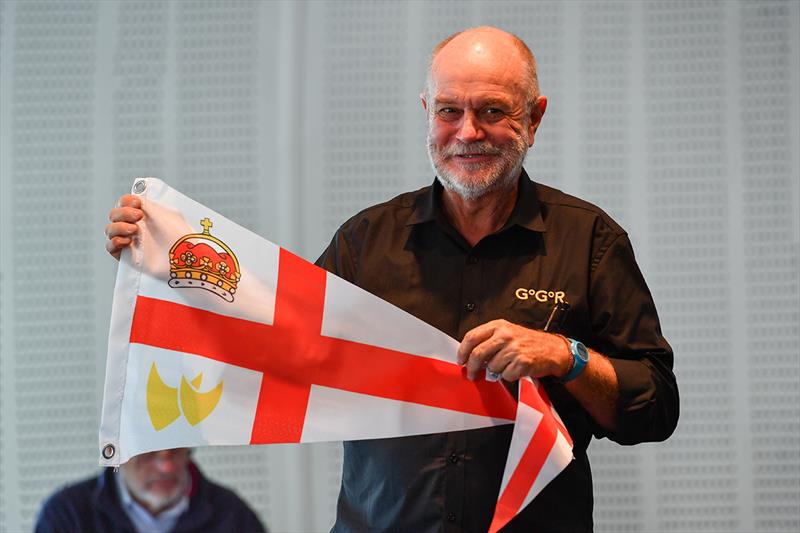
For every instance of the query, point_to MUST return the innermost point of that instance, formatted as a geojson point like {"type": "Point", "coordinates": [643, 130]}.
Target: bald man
{"type": "Point", "coordinates": [484, 254]}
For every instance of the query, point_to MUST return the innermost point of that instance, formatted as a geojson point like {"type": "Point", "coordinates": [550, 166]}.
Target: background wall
{"type": "Point", "coordinates": [681, 119]}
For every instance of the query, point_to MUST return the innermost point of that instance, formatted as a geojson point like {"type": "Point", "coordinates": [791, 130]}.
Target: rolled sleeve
{"type": "Point", "coordinates": [627, 330]}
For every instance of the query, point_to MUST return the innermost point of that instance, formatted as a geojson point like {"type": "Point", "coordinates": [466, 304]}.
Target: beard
{"type": "Point", "coordinates": [159, 501]}
{"type": "Point", "coordinates": [474, 180]}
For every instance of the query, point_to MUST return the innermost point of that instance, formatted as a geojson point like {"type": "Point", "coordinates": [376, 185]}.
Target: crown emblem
{"type": "Point", "coordinates": [201, 261]}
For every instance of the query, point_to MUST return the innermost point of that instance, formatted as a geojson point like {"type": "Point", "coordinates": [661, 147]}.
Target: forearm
{"type": "Point", "coordinates": [597, 390]}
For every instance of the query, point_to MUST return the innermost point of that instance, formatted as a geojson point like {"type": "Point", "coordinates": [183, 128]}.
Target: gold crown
{"type": "Point", "coordinates": [201, 261]}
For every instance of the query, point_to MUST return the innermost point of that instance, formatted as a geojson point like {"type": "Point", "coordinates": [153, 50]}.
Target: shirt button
{"type": "Point", "coordinates": [451, 517]}
{"type": "Point", "coordinates": [453, 458]}
{"type": "Point", "coordinates": [470, 307]}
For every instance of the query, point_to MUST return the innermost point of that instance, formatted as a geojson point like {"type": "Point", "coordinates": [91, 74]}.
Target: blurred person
{"type": "Point", "coordinates": [156, 492]}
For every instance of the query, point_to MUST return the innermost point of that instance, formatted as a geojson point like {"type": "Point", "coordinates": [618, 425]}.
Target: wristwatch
{"type": "Point", "coordinates": [580, 356]}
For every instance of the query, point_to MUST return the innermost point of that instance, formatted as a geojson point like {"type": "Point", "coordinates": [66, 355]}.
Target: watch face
{"type": "Point", "coordinates": [581, 350]}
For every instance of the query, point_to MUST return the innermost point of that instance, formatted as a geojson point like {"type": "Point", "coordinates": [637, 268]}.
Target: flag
{"type": "Point", "coordinates": [219, 336]}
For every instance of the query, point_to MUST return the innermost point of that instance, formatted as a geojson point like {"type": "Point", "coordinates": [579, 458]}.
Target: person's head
{"type": "Point", "coordinates": [157, 480]}
{"type": "Point", "coordinates": [483, 103]}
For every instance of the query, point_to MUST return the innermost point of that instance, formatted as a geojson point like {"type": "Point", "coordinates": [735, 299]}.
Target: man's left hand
{"type": "Point", "coordinates": [513, 352]}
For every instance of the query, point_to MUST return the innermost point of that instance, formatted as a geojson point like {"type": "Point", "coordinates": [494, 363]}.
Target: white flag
{"type": "Point", "coordinates": [220, 337]}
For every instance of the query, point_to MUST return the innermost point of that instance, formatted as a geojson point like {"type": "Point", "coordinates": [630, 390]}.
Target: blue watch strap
{"type": "Point", "coordinates": [580, 356]}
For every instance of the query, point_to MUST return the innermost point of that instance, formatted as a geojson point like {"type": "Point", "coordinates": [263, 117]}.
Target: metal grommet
{"type": "Point", "coordinates": [109, 451]}
{"type": "Point", "coordinates": [139, 186]}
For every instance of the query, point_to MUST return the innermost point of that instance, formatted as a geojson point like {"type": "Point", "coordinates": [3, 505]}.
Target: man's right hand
{"type": "Point", "coordinates": [123, 227]}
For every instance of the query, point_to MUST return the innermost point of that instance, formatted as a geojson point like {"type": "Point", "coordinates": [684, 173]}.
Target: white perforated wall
{"type": "Point", "coordinates": [681, 119]}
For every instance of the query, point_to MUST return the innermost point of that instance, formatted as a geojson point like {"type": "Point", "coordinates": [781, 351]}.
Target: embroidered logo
{"type": "Point", "coordinates": [540, 295]}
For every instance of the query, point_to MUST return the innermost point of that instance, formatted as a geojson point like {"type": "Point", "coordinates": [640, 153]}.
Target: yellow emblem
{"type": "Point", "coordinates": [165, 403]}
{"type": "Point", "coordinates": [201, 261]}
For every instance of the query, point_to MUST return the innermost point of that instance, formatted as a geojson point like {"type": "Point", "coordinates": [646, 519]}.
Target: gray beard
{"type": "Point", "coordinates": [503, 177]}
{"type": "Point", "coordinates": [157, 502]}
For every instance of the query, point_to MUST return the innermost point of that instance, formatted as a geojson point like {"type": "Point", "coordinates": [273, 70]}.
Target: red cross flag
{"type": "Point", "coordinates": [220, 337]}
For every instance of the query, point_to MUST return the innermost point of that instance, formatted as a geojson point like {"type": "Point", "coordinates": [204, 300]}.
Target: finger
{"type": "Point", "coordinates": [114, 246]}
{"type": "Point", "coordinates": [499, 361]}
{"type": "Point", "coordinates": [515, 370]}
{"type": "Point", "coordinates": [125, 214]}
{"type": "Point", "coordinates": [481, 355]}
{"type": "Point", "coordinates": [121, 229]}
{"type": "Point", "coordinates": [473, 338]}
{"type": "Point", "coordinates": [129, 200]}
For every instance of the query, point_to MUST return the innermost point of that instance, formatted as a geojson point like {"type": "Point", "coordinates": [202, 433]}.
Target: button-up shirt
{"type": "Point", "coordinates": [553, 248]}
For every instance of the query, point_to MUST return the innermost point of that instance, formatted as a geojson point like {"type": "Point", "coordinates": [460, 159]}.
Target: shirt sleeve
{"type": "Point", "coordinates": [337, 257]}
{"type": "Point", "coordinates": [57, 515]}
{"type": "Point", "coordinates": [626, 329]}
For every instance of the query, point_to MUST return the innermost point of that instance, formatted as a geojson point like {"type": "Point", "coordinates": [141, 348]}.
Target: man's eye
{"type": "Point", "coordinates": [493, 113]}
{"type": "Point", "coordinates": [448, 112]}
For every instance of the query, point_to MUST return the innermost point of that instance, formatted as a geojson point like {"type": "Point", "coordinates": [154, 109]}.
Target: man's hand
{"type": "Point", "coordinates": [513, 351]}
{"type": "Point", "coordinates": [123, 227]}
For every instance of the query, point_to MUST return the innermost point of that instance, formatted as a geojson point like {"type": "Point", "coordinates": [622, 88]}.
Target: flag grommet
{"type": "Point", "coordinates": [109, 451]}
{"type": "Point", "coordinates": [139, 186]}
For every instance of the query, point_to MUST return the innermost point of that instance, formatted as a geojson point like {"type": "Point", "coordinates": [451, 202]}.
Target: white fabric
{"type": "Point", "coordinates": [226, 395]}
{"type": "Point", "coordinates": [339, 415]}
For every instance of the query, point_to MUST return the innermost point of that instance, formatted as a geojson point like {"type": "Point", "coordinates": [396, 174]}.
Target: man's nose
{"type": "Point", "coordinates": [470, 128]}
{"type": "Point", "coordinates": [166, 461]}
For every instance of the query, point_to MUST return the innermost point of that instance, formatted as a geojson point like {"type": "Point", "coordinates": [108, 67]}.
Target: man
{"type": "Point", "coordinates": [153, 492]}
{"type": "Point", "coordinates": [484, 254]}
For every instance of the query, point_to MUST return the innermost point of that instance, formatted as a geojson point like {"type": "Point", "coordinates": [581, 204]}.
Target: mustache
{"type": "Point", "coordinates": [482, 148]}
{"type": "Point", "coordinates": [165, 477]}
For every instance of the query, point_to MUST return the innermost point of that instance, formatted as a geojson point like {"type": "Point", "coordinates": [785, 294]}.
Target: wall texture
{"type": "Point", "coordinates": [682, 119]}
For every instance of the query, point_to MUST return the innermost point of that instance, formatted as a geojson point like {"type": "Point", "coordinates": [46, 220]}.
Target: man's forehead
{"type": "Point", "coordinates": [494, 69]}
{"type": "Point", "coordinates": [493, 84]}
{"type": "Point", "coordinates": [482, 98]}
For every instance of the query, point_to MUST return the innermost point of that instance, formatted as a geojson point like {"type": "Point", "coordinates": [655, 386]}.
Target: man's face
{"type": "Point", "coordinates": [479, 122]}
{"type": "Point", "coordinates": [158, 480]}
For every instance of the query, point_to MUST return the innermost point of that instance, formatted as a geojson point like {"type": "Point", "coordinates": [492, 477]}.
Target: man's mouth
{"type": "Point", "coordinates": [474, 158]}
{"type": "Point", "coordinates": [164, 483]}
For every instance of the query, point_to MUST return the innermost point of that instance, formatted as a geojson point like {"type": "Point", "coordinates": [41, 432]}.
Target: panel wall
{"type": "Point", "coordinates": [688, 187]}
{"type": "Point", "coordinates": [51, 138]}
{"type": "Point", "coordinates": [770, 238]}
{"type": "Point", "coordinates": [605, 52]}
{"type": "Point", "coordinates": [681, 119]}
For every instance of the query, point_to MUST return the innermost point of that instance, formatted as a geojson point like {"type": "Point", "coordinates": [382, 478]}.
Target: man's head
{"type": "Point", "coordinates": [158, 480]}
{"type": "Point", "coordinates": [483, 104]}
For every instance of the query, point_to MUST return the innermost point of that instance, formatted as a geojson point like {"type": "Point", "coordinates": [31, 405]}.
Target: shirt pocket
{"type": "Point", "coordinates": [529, 314]}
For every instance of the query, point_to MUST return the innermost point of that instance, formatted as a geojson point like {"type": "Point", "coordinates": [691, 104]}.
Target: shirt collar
{"type": "Point", "coordinates": [527, 212]}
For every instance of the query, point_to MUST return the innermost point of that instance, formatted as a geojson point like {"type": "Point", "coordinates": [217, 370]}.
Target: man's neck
{"type": "Point", "coordinates": [475, 219]}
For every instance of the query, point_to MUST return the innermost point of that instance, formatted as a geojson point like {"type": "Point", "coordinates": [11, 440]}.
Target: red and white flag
{"type": "Point", "coordinates": [220, 337]}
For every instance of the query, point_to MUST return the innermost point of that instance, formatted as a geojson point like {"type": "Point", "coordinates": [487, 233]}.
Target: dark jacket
{"type": "Point", "coordinates": [94, 505]}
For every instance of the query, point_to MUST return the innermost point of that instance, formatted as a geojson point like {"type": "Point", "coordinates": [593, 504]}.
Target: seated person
{"type": "Point", "coordinates": [153, 492]}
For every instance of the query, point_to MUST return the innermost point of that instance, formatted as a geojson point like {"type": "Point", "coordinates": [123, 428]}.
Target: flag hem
{"type": "Point", "coordinates": [129, 275]}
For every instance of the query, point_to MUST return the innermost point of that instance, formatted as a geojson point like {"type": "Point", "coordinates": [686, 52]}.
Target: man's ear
{"type": "Point", "coordinates": [537, 112]}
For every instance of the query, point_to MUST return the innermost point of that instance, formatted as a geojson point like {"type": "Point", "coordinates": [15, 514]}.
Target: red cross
{"type": "Point", "coordinates": [533, 458]}
{"type": "Point", "coordinates": [292, 354]}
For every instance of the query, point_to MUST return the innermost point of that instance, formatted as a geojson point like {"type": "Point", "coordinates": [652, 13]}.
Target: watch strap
{"type": "Point", "coordinates": [580, 356]}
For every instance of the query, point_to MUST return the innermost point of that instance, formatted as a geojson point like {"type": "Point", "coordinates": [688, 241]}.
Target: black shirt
{"type": "Point", "coordinates": [554, 247]}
